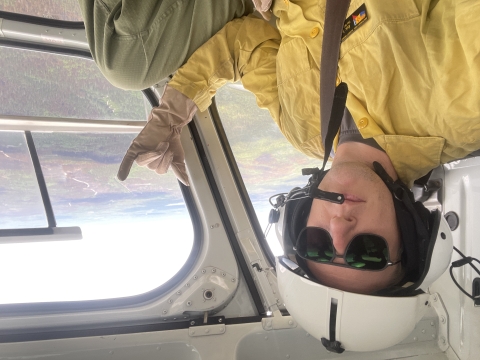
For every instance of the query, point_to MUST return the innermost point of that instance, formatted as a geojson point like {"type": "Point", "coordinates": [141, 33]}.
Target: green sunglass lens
{"type": "Point", "coordinates": [369, 250]}
{"type": "Point", "coordinates": [315, 244]}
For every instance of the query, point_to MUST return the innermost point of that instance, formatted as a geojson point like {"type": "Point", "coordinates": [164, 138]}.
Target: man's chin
{"type": "Point", "coordinates": [350, 280]}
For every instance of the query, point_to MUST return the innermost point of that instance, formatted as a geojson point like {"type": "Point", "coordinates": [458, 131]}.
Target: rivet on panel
{"type": "Point", "coordinates": [189, 303]}
{"type": "Point", "coordinates": [204, 271]}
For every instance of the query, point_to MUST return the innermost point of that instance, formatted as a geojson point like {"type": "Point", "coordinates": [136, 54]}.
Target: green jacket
{"type": "Point", "coordinates": [137, 43]}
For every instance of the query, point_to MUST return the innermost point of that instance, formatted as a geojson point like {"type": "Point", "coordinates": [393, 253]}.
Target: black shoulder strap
{"type": "Point", "coordinates": [332, 99]}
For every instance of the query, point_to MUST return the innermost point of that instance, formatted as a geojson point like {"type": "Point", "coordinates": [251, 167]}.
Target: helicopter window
{"type": "Point", "coordinates": [267, 162]}
{"type": "Point", "coordinates": [126, 226]}
{"type": "Point", "coordinates": [68, 10]}
{"type": "Point", "coordinates": [50, 85]}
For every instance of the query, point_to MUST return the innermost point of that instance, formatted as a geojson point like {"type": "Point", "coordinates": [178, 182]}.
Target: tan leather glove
{"type": "Point", "coordinates": [263, 7]}
{"type": "Point", "coordinates": [158, 145]}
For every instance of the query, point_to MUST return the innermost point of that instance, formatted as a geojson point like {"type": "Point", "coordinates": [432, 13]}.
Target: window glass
{"type": "Point", "coordinates": [21, 204]}
{"type": "Point", "coordinates": [68, 10]}
{"type": "Point", "coordinates": [136, 234]}
{"type": "Point", "coordinates": [268, 163]}
{"type": "Point", "coordinates": [50, 85]}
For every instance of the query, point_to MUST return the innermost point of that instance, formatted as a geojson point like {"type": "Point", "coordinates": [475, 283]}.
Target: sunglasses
{"type": "Point", "coordinates": [363, 252]}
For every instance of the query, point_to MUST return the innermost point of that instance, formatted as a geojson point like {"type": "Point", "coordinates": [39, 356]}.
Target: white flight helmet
{"type": "Point", "coordinates": [348, 321]}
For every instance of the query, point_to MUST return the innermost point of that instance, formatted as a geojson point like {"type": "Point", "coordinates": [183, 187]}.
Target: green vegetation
{"type": "Point", "coordinates": [267, 161]}
{"type": "Point", "coordinates": [48, 85]}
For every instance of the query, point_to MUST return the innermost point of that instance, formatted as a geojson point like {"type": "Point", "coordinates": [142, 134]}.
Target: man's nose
{"type": "Point", "coordinates": [341, 231]}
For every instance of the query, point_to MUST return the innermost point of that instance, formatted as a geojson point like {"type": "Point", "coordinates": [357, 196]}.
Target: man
{"type": "Point", "coordinates": [411, 68]}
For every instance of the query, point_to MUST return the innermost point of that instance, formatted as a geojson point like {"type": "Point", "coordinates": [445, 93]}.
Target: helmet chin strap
{"type": "Point", "coordinates": [312, 190]}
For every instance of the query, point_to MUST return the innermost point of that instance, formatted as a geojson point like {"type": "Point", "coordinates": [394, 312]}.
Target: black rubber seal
{"type": "Point", "coordinates": [42, 185]}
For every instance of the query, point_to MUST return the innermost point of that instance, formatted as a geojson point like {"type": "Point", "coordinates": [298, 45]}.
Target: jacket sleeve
{"type": "Point", "coordinates": [138, 43]}
{"type": "Point", "coordinates": [245, 49]}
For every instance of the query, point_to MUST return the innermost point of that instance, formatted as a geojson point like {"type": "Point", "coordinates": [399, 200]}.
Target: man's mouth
{"type": "Point", "coordinates": [352, 198]}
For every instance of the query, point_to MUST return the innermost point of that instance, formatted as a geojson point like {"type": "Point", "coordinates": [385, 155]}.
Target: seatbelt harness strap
{"type": "Point", "coordinates": [332, 99]}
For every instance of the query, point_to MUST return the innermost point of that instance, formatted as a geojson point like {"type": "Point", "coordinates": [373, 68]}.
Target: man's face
{"type": "Point", "coordinates": [368, 208]}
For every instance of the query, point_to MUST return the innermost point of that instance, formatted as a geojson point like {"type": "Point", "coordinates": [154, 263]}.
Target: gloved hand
{"type": "Point", "coordinates": [158, 145]}
{"type": "Point", "coordinates": [263, 7]}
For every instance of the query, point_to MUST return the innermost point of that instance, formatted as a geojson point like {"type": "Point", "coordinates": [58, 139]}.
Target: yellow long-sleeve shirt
{"type": "Point", "coordinates": [413, 71]}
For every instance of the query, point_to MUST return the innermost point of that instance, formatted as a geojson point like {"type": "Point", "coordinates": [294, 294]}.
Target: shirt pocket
{"type": "Point", "coordinates": [379, 13]}
{"type": "Point", "coordinates": [292, 59]}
